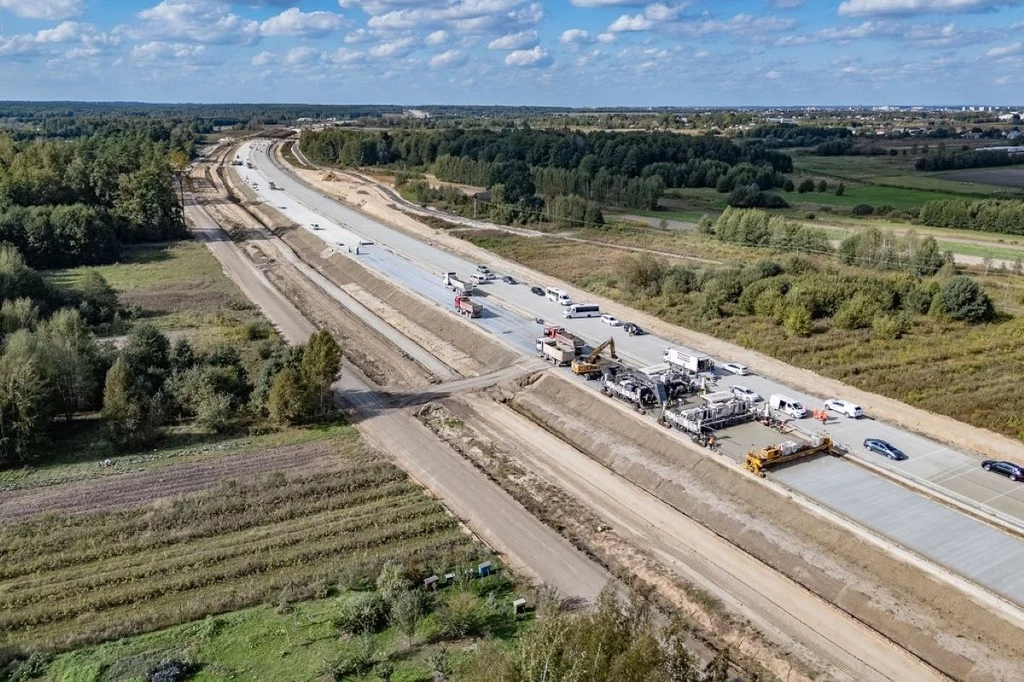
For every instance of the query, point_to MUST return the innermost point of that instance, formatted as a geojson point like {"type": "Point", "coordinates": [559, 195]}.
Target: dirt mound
{"type": "Point", "coordinates": [118, 491]}
{"type": "Point", "coordinates": [941, 625]}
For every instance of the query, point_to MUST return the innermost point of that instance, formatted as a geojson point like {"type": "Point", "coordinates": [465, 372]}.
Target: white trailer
{"type": "Point", "coordinates": [452, 281]}
{"type": "Point", "coordinates": [688, 359]}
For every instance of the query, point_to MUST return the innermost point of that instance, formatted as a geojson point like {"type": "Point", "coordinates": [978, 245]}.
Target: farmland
{"type": "Point", "coordinates": [999, 177]}
{"type": "Point", "coordinates": [960, 371]}
{"type": "Point", "coordinates": [70, 581]}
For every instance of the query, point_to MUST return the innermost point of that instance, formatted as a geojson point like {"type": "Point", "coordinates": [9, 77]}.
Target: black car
{"type": "Point", "coordinates": [1014, 472]}
{"type": "Point", "coordinates": [508, 279]}
{"type": "Point", "coordinates": [537, 290]}
{"type": "Point", "coordinates": [885, 449]}
{"type": "Point", "coordinates": [632, 329]}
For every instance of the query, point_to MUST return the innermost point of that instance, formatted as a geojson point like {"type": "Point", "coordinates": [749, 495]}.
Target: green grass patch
{"type": "Point", "coordinates": [897, 197]}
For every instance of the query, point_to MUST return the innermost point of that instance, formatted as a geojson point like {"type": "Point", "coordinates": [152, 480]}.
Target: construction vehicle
{"type": "Point", "coordinates": [698, 421]}
{"type": "Point", "coordinates": [688, 360]}
{"type": "Point", "coordinates": [272, 185]}
{"type": "Point", "coordinates": [635, 388]}
{"type": "Point", "coordinates": [459, 286]}
{"type": "Point", "coordinates": [758, 461]}
{"type": "Point", "coordinates": [465, 306]}
{"type": "Point", "coordinates": [553, 352]}
{"type": "Point", "coordinates": [565, 338]}
{"type": "Point", "coordinates": [591, 366]}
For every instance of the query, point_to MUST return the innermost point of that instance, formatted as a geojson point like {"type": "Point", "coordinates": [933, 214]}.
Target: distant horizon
{"type": "Point", "coordinates": [555, 53]}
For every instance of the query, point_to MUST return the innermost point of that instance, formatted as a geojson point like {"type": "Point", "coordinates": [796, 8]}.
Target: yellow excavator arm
{"type": "Point", "coordinates": [596, 353]}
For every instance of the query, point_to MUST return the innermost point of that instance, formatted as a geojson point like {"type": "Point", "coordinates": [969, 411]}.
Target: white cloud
{"type": "Point", "coordinates": [156, 50]}
{"type": "Point", "coordinates": [263, 58]}
{"type": "Point", "coordinates": [199, 22]}
{"type": "Point", "coordinates": [787, 4]}
{"type": "Point", "coordinates": [1004, 50]}
{"type": "Point", "coordinates": [857, 7]}
{"type": "Point", "coordinates": [344, 56]}
{"type": "Point", "coordinates": [460, 16]}
{"type": "Point", "coordinates": [293, 22]}
{"type": "Point", "coordinates": [298, 56]}
{"type": "Point", "coordinates": [635, 22]}
{"type": "Point", "coordinates": [44, 9]}
{"type": "Point", "coordinates": [606, 37]}
{"type": "Point", "coordinates": [446, 58]}
{"type": "Point", "coordinates": [536, 57]}
{"type": "Point", "coordinates": [574, 36]}
{"type": "Point", "coordinates": [360, 35]}
{"type": "Point", "coordinates": [605, 3]}
{"type": "Point", "coordinates": [514, 41]}
{"type": "Point", "coordinates": [392, 48]}
{"type": "Point", "coordinates": [439, 37]}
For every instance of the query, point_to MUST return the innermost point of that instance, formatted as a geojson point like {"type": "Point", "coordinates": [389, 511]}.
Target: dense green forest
{"type": "Point", "coordinates": [621, 169]}
{"type": "Point", "coordinates": [792, 135]}
{"type": "Point", "coordinates": [988, 215]}
{"type": "Point", "coordinates": [947, 159]}
{"type": "Point", "coordinates": [73, 202]}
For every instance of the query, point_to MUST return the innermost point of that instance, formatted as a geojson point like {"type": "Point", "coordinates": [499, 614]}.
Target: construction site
{"type": "Point", "coordinates": [642, 459]}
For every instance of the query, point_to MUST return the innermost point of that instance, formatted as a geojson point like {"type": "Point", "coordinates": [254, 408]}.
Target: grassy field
{"type": "Point", "coordinates": [897, 197]}
{"type": "Point", "coordinates": [180, 286]}
{"type": "Point", "coordinates": [1012, 178]}
{"type": "Point", "coordinates": [67, 582]}
{"type": "Point", "coordinates": [968, 373]}
{"type": "Point", "coordinates": [262, 643]}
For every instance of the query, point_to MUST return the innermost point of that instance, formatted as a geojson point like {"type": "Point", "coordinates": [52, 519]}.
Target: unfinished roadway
{"type": "Point", "coordinates": [968, 545]}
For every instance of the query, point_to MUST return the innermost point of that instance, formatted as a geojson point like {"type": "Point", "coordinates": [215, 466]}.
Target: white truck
{"type": "Point", "coordinates": [688, 359]}
{"type": "Point", "coordinates": [554, 352]}
{"type": "Point", "coordinates": [459, 286]}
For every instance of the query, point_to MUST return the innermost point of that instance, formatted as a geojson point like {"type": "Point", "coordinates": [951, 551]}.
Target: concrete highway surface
{"type": "Point", "coordinates": [530, 547]}
{"type": "Point", "coordinates": [980, 552]}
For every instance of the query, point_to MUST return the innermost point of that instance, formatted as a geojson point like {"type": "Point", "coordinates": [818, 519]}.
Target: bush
{"type": "Point", "coordinates": [798, 321]}
{"type": "Point", "coordinates": [863, 209]}
{"type": "Point", "coordinates": [459, 615]}
{"type": "Point", "coordinates": [890, 327]}
{"type": "Point", "coordinates": [172, 671]}
{"type": "Point", "coordinates": [362, 613]}
{"type": "Point", "coordinates": [857, 313]}
{"type": "Point", "coordinates": [805, 186]}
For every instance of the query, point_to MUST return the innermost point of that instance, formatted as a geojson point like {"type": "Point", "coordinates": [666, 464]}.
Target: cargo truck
{"type": "Point", "coordinates": [565, 338]}
{"type": "Point", "coordinates": [465, 306]}
{"type": "Point", "coordinates": [688, 359]}
{"type": "Point", "coordinates": [555, 353]}
{"type": "Point", "coordinates": [459, 286]}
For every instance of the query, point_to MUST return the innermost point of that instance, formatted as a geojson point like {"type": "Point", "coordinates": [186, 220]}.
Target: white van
{"type": "Point", "coordinates": [563, 299]}
{"type": "Point", "coordinates": [552, 293]}
{"type": "Point", "coordinates": [794, 408]}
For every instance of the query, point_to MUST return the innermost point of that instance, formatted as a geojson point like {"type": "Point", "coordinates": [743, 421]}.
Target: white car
{"type": "Point", "coordinates": [610, 320]}
{"type": "Point", "coordinates": [844, 407]}
{"type": "Point", "coordinates": [747, 394]}
{"type": "Point", "coordinates": [736, 368]}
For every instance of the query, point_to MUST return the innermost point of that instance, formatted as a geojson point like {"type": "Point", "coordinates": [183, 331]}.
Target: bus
{"type": "Point", "coordinates": [582, 310]}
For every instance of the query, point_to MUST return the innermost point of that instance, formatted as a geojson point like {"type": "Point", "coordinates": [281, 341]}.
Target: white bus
{"type": "Point", "coordinates": [553, 293]}
{"type": "Point", "coordinates": [582, 310]}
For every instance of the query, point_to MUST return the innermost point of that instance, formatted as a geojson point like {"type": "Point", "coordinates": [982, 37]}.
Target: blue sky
{"type": "Point", "coordinates": [550, 52]}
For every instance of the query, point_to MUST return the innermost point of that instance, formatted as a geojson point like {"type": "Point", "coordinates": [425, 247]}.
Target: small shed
{"type": "Point", "coordinates": [449, 578]}
{"type": "Point", "coordinates": [484, 569]}
{"type": "Point", "coordinates": [430, 583]}
{"type": "Point", "coordinates": [518, 606]}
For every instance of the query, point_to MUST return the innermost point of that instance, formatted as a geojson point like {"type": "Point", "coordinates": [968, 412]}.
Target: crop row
{"type": "Point", "coordinates": [211, 570]}
{"type": "Point", "coordinates": [200, 555]}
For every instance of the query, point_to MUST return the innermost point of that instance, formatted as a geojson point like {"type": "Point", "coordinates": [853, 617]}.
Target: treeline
{"type": "Point", "coordinates": [988, 215]}
{"type": "Point", "coordinates": [868, 248]}
{"type": "Point", "coordinates": [65, 203]}
{"type": "Point", "coordinates": [847, 147]}
{"type": "Point", "coordinates": [626, 169]}
{"type": "Point", "coordinates": [791, 135]}
{"type": "Point", "coordinates": [949, 159]}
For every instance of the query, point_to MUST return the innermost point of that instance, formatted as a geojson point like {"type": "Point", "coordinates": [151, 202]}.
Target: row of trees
{"type": "Point", "coordinates": [989, 215]}
{"type": "Point", "coordinates": [956, 159]}
{"type": "Point", "coordinates": [792, 135]}
{"type": "Point", "coordinates": [73, 202]}
{"type": "Point", "coordinates": [758, 228]}
{"type": "Point", "coordinates": [625, 169]}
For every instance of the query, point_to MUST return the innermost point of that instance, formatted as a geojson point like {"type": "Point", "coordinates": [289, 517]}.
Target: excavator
{"type": "Point", "coordinates": [590, 366]}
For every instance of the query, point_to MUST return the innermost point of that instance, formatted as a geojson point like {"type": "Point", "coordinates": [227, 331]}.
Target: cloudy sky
{"type": "Point", "coordinates": [553, 52]}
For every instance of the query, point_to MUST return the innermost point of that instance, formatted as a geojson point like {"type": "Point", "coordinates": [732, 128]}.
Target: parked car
{"type": "Point", "coordinates": [632, 329]}
{"type": "Point", "coordinates": [508, 279]}
{"type": "Point", "coordinates": [610, 320]}
{"type": "Point", "coordinates": [747, 394]}
{"type": "Point", "coordinates": [537, 290]}
{"type": "Point", "coordinates": [736, 368]}
{"type": "Point", "coordinates": [884, 448]}
{"type": "Point", "coordinates": [844, 407]}
{"type": "Point", "coordinates": [783, 403]}
{"type": "Point", "coordinates": [483, 269]}
{"type": "Point", "coordinates": [1014, 472]}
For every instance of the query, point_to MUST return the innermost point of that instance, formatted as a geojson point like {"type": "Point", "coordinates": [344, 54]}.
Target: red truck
{"type": "Point", "coordinates": [565, 338]}
{"type": "Point", "coordinates": [465, 306]}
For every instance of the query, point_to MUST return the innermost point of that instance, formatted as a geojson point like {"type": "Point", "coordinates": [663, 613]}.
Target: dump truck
{"type": "Point", "coordinates": [565, 338]}
{"type": "Point", "coordinates": [459, 286]}
{"type": "Point", "coordinates": [553, 352]}
{"type": "Point", "coordinates": [688, 359]}
{"type": "Point", "coordinates": [758, 461]}
{"type": "Point", "coordinates": [466, 307]}
{"type": "Point", "coordinates": [591, 366]}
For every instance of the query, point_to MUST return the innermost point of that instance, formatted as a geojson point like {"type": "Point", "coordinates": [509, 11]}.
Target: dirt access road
{"type": "Point", "coordinates": [528, 545]}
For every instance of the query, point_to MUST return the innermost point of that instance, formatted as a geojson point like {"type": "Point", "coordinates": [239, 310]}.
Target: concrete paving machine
{"type": "Point", "coordinates": [634, 387]}
{"type": "Point", "coordinates": [758, 461]}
